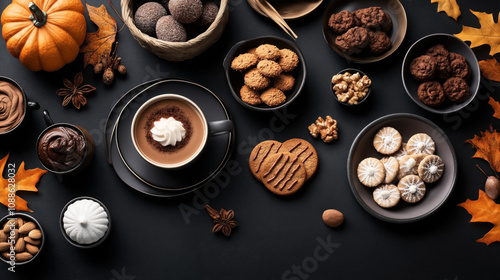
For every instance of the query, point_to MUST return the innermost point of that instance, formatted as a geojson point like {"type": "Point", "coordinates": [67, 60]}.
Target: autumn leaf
{"type": "Point", "coordinates": [484, 209]}
{"type": "Point", "coordinates": [496, 107]}
{"type": "Point", "coordinates": [98, 44]}
{"type": "Point", "coordinates": [25, 180]}
{"type": "Point", "coordinates": [450, 7]}
{"type": "Point", "coordinates": [490, 69]}
{"type": "Point", "coordinates": [487, 147]}
{"type": "Point", "coordinates": [488, 34]}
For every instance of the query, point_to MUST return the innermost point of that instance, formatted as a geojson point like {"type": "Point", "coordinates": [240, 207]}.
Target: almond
{"type": "Point", "coordinates": [27, 227]}
{"type": "Point", "coordinates": [19, 222]}
{"type": "Point", "coordinates": [20, 245]}
{"type": "Point", "coordinates": [6, 255]}
{"type": "Point", "coordinates": [32, 241]}
{"type": "Point", "coordinates": [16, 234]}
{"type": "Point", "coordinates": [32, 249]}
{"type": "Point", "coordinates": [24, 256]}
{"type": "Point", "coordinates": [3, 236]}
{"type": "Point", "coordinates": [4, 246]}
{"type": "Point", "coordinates": [35, 234]}
{"type": "Point", "coordinates": [8, 224]}
{"type": "Point", "coordinates": [333, 218]}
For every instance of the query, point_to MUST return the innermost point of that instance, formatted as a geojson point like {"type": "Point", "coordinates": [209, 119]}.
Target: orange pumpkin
{"type": "Point", "coordinates": [44, 34]}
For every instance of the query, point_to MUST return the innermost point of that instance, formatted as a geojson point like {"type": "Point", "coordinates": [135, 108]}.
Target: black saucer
{"type": "Point", "coordinates": [144, 177]}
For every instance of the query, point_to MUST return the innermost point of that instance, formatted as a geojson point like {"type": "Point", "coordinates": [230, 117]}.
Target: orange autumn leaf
{"type": "Point", "coordinates": [490, 69]}
{"type": "Point", "coordinates": [25, 180]}
{"type": "Point", "coordinates": [488, 34]}
{"type": "Point", "coordinates": [484, 209]}
{"type": "Point", "coordinates": [487, 147]}
{"type": "Point", "coordinates": [496, 107]}
{"type": "Point", "coordinates": [98, 44]}
{"type": "Point", "coordinates": [450, 7]}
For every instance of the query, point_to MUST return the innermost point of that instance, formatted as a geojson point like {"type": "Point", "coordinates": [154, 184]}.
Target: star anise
{"type": "Point", "coordinates": [223, 220]}
{"type": "Point", "coordinates": [73, 92]}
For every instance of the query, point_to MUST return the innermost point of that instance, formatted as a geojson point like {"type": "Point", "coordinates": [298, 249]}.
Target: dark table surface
{"type": "Point", "coordinates": [277, 237]}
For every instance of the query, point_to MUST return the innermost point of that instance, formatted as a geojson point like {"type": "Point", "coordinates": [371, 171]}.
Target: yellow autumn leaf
{"type": "Point", "coordinates": [450, 7]}
{"type": "Point", "coordinates": [488, 34]}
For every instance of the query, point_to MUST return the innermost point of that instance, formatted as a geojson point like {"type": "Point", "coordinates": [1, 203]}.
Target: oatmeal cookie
{"type": "Point", "coordinates": [288, 60]}
{"type": "Point", "coordinates": [269, 68]}
{"type": "Point", "coordinates": [268, 51]}
{"type": "Point", "coordinates": [273, 97]}
{"type": "Point", "coordinates": [244, 62]}
{"type": "Point", "coordinates": [250, 96]}
{"type": "Point", "coordinates": [284, 82]}
{"type": "Point", "coordinates": [255, 80]}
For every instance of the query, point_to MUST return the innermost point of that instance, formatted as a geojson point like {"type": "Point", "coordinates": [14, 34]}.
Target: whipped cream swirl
{"type": "Point", "coordinates": [168, 131]}
{"type": "Point", "coordinates": [11, 106]}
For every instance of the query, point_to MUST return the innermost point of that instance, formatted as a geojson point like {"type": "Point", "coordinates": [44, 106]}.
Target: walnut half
{"type": "Point", "coordinates": [327, 129]}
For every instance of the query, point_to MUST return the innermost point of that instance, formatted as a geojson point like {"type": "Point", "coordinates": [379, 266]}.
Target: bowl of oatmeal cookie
{"type": "Point", "coordinates": [265, 73]}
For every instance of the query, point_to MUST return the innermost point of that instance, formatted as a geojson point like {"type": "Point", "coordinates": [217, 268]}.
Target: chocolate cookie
{"type": "Point", "coordinates": [306, 153]}
{"type": "Point", "coordinates": [423, 68]}
{"type": "Point", "coordinates": [261, 152]}
{"type": "Point", "coordinates": [353, 41]}
{"type": "Point", "coordinates": [273, 97]}
{"type": "Point", "coordinates": [244, 62]}
{"type": "Point", "coordinates": [386, 23]}
{"type": "Point", "coordinates": [372, 18]}
{"type": "Point", "coordinates": [440, 53]}
{"type": "Point", "coordinates": [459, 66]}
{"type": "Point", "coordinates": [269, 68]}
{"type": "Point", "coordinates": [379, 41]}
{"type": "Point", "coordinates": [283, 173]}
{"type": "Point", "coordinates": [255, 80]}
{"type": "Point", "coordinates": [456, 89]}
{"type": "Point", "coordinates": [431, 93]}
{"type": "Point", "coordinates": [341, 22]}
{"type": "Point", "coordinates": [250, 96]}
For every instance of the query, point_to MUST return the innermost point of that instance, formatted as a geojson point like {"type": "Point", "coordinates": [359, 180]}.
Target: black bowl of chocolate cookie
{"type": "Point", "coordinates": [351, 87]}
{"type": "Point", "coordinates": [364, 31]}
{"type": "Point", "coordinates": [265, 73]}
{"type": "Point", "coordinates": [440, 73]}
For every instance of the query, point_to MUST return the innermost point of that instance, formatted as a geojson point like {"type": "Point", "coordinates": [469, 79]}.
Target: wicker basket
{"type": "Point", "coordinates": [177, 51]}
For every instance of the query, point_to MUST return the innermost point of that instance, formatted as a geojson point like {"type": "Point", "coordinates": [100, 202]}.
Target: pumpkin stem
{"type": "Point", "coordinates": [38, 17]}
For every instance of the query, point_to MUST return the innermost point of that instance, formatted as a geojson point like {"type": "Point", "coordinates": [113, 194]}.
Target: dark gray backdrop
{"type": "Point", "coordinates": [151, 239]}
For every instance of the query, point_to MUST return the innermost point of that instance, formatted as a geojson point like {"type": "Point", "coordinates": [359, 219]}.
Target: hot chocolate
{"type": "Point", "coordinates": [62, 148]}
{"type": "Point", "coordinates": [12, 106]}
{"type": "Point", "coordinates": [169, 131]}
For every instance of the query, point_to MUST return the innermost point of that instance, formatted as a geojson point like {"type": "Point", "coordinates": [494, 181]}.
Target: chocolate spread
{"type": "Point", "coordinates": [61, 148]}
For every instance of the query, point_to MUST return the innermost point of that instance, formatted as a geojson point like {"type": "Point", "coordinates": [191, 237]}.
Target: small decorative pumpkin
{"type": "Point", "coordinates": [44, 34]}
{"type": "Point", "coordinates": [85, 221]}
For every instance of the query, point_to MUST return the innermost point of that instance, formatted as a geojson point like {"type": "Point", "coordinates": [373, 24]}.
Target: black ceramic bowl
{"type": "Point", "coordinates": [71, 241]}
{"type": "Point", "coordinates": [235, 78]}
{"type": "Point", "coordinates": [26, 218]}
{"type": "Point", "coordinates": [452, 44]}
{"type": "Point", "coordinates": [352, 71]}
{"type": "Point", "coordinates": [396, 34]}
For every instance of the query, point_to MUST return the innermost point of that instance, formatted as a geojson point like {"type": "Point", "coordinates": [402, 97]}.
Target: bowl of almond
{"type": "Point", "coordinates": [21, 239]}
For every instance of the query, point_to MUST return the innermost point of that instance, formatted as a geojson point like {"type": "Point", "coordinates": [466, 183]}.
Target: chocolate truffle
{"type": "Point", "coordinates": [210, 11]}
{"type": "Point", "coordinates": [168, 29]}
{"type": "Point", "coordinates": [186, 11]}
{"type": "Point", "coordinates": [456, 89]}
{"type": "Point", "coordinates": [423, 68]}
{"type": "Point", "coordinates": [431, 94]}
{"type": "Point", "coordinates": [147, 15]}
{"type": "Point", "coordinates": [341, 22]}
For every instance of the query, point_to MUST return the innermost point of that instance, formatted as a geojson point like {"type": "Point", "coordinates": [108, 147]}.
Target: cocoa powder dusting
{"type": "Point", "coordinates": [166, 112]}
